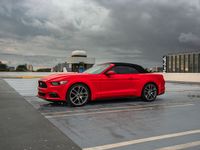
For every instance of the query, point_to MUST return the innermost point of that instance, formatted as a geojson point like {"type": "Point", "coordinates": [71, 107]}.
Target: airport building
{"type": "Point", "coordinates": [188, 62]}
{"type": "Point", "coordinates": [77, 62]}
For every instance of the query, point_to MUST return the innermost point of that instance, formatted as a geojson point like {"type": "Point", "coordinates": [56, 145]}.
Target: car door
{"type": "Point", "coordinates": [117, 85]}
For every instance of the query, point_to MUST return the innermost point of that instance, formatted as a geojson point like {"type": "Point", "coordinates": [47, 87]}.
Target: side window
{"type": "Point", "coordinates": [124, 70]}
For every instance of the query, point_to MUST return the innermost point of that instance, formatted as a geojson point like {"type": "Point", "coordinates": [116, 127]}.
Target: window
{"type": "Point", "coordinates": [199, 63]}
{"type": "Point", "coordinates": [186, 63]}
{"type": "Point", "coordinates": [196, 63]}
{"type": "Point", "coordinates": [170, 64]}
{"type": "Point", "coordinates": [182, 63]}
{"type": "Point", "coordinates": [177, 63]}
{"type": "Point", "coordinates": [191, 59]}
{"type": "Point", "coordinates": [174, 64]}
{"type": "Point", "coordinates": [124, 70]}
{"type": "Point", "coordinates": [97, 69]}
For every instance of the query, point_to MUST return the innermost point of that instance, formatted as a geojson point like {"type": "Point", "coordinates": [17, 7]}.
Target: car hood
{"type": "Point", "coordinates": [61, 76]}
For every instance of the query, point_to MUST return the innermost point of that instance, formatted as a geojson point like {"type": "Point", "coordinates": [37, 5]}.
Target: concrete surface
{"type": "Point", "coordinates": [169, 77]}
{"type": "Point", "coordinates": [120, 124]}
{"type": "Point", "coordinates": [24, 74]}
{"type": "Point", "coordinates": [23, 128]}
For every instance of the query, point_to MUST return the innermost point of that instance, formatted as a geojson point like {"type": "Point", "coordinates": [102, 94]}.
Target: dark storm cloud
{"type": "Point", "coordinates": [155, 27]}
{"type": "Point", "coordinates": [119, 30]}
{"type": "Point", "coordinates": [12, 16]}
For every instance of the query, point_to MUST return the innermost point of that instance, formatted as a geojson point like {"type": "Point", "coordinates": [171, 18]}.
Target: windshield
{"type": "Point", "coordinates": [97, 69]}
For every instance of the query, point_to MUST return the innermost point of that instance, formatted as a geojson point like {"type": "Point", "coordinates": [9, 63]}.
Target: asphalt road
{"type": "Point", "coordinates": [171, 122]}
{"type": "Point", "coordinates": [23, 128]}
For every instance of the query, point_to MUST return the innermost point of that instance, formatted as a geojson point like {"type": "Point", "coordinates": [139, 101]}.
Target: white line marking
{"type": "Point", "coordinates": [181, 146]}
{"type": "Point", "coordinates": [107, 108]}
{"type": "Point", "coordinates": [132, 142]}
{"type": "Point", "coordinates": [96, 109]}
{"type": "Point", "coordinates": [114, 111]}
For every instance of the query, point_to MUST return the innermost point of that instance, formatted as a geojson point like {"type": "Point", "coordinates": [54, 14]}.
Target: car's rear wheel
{"type": "Point", "coordinates": [149, 92]}
{"type": "Point", "coordinates": [78, 95]}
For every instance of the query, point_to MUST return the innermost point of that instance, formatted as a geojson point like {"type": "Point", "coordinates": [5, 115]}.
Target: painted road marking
{"type": "Point", "coordinates": [132, 142]}
{"type": "Point", "coordinates": [181, 146]}
{"type": "Point", "coordinates": [115, 111]}
{"type": "Point", "coordinates": [194, 90]}
{"type": "Point", "coordinates": [109, 108]}
{"type": "Point", "coordinates": [130, 105]}
{"type": "Point", "coordinates": [96, 109]}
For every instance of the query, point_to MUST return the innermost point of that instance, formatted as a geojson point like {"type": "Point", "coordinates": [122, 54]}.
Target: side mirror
{"type": "Point", "coordinates": [110, 73]}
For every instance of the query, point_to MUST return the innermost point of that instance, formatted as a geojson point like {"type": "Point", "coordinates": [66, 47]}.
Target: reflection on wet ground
{"type": "Point", "coordinates": [105, 122]}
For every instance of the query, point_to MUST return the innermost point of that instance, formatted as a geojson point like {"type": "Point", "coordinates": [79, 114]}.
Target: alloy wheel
{"type": "Point", "coordinates": [150, 92]}
{"type": "Point", "coordinates": [78, 95]}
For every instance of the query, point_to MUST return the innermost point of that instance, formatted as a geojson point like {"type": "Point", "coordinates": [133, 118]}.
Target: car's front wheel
{"type": "Point", "coordinates": [78, 95]}
{"type": "Point", "coordinates": [149, 92]}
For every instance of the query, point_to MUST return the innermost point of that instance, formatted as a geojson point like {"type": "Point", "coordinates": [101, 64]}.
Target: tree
{"type": "Point", "coordinates": [21, 68]}
{"type": "Point", "coordinates": [44, 70]}
{"type": "Point", "coordinates": [3, 67]}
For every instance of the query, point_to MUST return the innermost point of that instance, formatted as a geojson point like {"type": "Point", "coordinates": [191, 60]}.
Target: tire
{"type": "Point", "coordinates": [149, 92]}
{"type": "Point", "coordinates": [78, 95]}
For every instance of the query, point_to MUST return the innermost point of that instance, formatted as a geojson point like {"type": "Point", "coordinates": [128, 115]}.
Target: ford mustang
{"type": "Point", "coordinates": [103, 81]}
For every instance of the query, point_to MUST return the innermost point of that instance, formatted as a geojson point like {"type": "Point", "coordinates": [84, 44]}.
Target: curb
{"type": "Point", "coordinates": [21, 77]}
{"type": "Point", "coordinates": [183, 82]}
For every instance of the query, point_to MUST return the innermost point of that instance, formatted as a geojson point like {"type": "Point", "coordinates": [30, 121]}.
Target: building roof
{"type": "Point", "coordinates": [181, 53]}
{"type": "Point", "coordinates": [79, 53]}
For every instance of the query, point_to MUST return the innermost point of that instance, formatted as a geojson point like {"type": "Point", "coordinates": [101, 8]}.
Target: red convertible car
{"type": "Point", "coordinates": [104, 81]}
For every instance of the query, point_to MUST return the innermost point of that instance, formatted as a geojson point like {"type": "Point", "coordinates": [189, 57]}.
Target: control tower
{"type": "Point", "coordinates": [78, 62]}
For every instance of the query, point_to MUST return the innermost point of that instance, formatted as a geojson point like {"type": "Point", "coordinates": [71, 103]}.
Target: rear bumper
{"type": "Point", "coordinates": [161, 90]}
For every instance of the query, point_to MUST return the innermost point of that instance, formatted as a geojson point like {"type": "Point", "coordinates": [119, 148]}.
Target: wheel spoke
{"type": "Point", "coordinates": [149, 86]}
{"type": "Point", "coordinates": [81, 100]}
{"type": "Point", "coordinates": [79, 89]}
{"type": "Point", "coordinates": [148, 96]}
{"type": "Point", "coordinates": [74, 91]}
{"type": "Point", "coordinates": [74, 97]}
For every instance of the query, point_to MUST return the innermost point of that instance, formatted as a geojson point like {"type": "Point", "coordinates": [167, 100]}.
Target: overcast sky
{"type": "Point", "coordinates": [44, 32]}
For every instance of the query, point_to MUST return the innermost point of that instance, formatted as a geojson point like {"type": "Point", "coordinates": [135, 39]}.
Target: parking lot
{"type": "Point", "coordinates": [171, 122]}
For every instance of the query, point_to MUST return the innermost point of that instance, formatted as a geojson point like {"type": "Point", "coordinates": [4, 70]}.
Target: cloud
{"type": "Point", "coordinates": [58, 14]}
{"type": "Point", "coordinates": [35, 60]}
{"type": "Point", "coordinates": [189, 38]}
{"type": "Point", "coordinates": [131, 31]}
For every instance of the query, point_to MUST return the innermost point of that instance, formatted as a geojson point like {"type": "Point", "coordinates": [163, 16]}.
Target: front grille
{"type": "Point", "coordinates": [41, 94]}
{"type": "Point", "coordinates": [53, 95]}
{"type": "Point", "coordinates": [42, 84]}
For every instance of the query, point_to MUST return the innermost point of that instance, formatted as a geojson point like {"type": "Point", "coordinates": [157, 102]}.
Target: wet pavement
{"type": "Point", "coordinates": [22, 127]}
{"type": "Point", "coordinates": [125, 124]}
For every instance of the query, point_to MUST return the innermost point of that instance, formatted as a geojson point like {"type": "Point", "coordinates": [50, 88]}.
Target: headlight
{"type": "Point", "coordinates": [56, 83]}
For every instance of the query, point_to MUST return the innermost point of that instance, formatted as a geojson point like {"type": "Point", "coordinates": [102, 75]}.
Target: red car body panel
{"type": "Point", "coordinates": [101, 85]}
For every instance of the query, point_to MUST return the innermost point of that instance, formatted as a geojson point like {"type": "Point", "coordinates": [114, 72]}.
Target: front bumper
{"type": "Point", "coordinates": [52, 93]}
